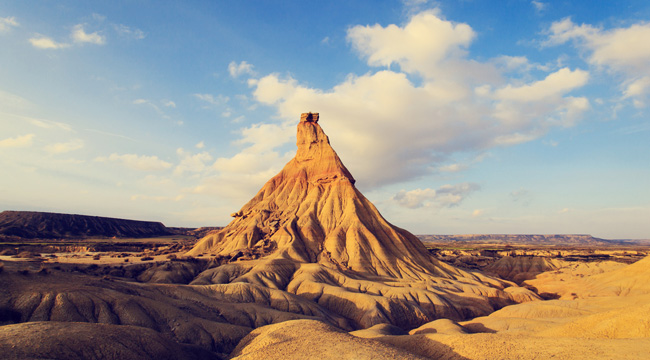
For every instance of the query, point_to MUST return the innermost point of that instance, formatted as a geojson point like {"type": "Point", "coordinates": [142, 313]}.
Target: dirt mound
{"type": "Point", "coordinates": [44, 225]}
{"type": "Point", "coordinates": [307, 339]}
{"type": "Point", "coordinates": [521, 268]}
{"type": "Point", "coordinates": [65, 340]}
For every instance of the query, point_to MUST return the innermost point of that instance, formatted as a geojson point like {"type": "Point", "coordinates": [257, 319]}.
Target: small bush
{"type": "Point", "coordinates": [146, 258]}
{"type": "Point", "coordinates": [97, 257]}
{"type": "Point", "coordinates": [126, 260]}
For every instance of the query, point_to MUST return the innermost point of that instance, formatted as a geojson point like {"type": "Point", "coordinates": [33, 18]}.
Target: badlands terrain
{"type": "Point", "coordinates": [309, 268]}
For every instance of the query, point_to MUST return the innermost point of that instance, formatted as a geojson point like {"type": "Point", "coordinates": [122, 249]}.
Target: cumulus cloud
{"type": "Point", "coordinates": [59, 148]}
{"type": "Point", "coordinates": [427, 101]}
{"type": "Point", "coordinates": [137, 162]}
{"type": "Point", "coordinates": [18, 141]}
{"type": "Point", "coordinates": [622, 50]}
{"type": "Point", "coordinates": [79, 35]}
{"type": "Point", "coordinates": [7, 23]}
{"type": "Point", "coordinates": [236, 70]}
{"type": "Point", "coordinates": [445, 196]}
{"type": "Point", "coordinates": [418, 47]}
{"type": "Point", "coordinates": [44, 42]}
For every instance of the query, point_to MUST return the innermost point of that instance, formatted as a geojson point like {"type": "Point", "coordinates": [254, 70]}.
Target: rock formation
{"type": "Point", "coordinates": [314, 234]}
{"type": "Point", "coordinates": [44, 225]}
{"type": "Point", "coordinates": [311, 212]}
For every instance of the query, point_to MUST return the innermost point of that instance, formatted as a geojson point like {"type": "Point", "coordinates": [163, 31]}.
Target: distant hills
{"type": "Point", "coordinates": [44, 225]}
{"type": "Point", "coordinates": [567, 240]}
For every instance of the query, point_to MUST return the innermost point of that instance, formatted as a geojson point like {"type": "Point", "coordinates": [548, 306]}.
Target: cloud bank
{"type": "Point", "coordinates": [426, 101]}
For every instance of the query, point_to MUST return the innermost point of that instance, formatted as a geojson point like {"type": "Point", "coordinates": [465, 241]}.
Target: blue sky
{"type": "Point", "coordinates": [454, 116]}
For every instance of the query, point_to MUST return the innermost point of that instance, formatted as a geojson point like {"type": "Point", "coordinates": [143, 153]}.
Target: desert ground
{"type": "Point", "coordinates": [308, 268]}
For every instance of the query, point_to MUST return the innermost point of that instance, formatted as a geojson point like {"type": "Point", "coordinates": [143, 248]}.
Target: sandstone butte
{"type": "Point", "coordinates": [310, 232]}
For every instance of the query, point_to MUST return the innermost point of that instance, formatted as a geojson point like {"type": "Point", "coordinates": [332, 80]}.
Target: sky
{"type": "Point", "coordinates": [455, 117]}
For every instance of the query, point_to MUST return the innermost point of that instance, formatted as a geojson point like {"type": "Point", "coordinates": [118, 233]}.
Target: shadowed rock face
{"type": "Point", "coordinates": [43, 225]}
{"type": "Point", "coordinates": [310, 232]}
{"type": "Point", "coordinates": [65, 340]}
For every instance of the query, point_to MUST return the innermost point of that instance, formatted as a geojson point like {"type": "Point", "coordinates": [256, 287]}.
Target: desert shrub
{"type": "Point", "coordinates": [172, 257]}
{"type": "Point", "coordinates": [97, 257]}
{"type": "Point", "coordinates": [126, 260]}
{"type": "Point", "coordinates": [146, 258]}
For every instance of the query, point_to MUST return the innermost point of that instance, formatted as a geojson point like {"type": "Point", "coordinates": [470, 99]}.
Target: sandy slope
{"type": "Point", "coordinates": [610, 321]}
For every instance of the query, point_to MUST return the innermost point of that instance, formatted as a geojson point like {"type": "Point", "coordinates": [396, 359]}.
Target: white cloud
{"type": "Point", "coordinates": [539, 6]}
{"type": "Point", "coordinates": [79, 35]}
{"type": "Point", "coordinates": [623, 51]}
{"type": "Point", "coordinates": [445, 196]}
{"type": "Point", "coordinates": [213, 100]}
{"type": "Point", "coordinates": [236, 70]}
{"type": "Point", "coordinates": [126, 31]}
{"type": "Point", "coordinates": [59, 148]}
{"type": "Point", "coordinates": [169, 103]}
{"type": "Point", "coordinates": [193, 163]}
{"type": "Point", "coordinates": [383, 120]}
{"type": "Point", "coordinates": [7, 23]}
{"type": "Point", "coordinates": [200, 145]}
{"type": "Point", "coordinates": [137, 162]}
{"type": "Point", "coordinates": [44, 42]}
{"type": "Point", "coordinates": [18, 141]}
{"type": "Point", "coordinates": [418, 47]}
{"type": "Point", "coordinates": [554, 85]}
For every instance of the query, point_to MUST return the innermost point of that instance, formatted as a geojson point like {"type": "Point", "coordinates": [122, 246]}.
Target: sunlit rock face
{"type": "Point", "coordinates": [312, 212]}
{"type": "Point", "coordinates": [309, 231]}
